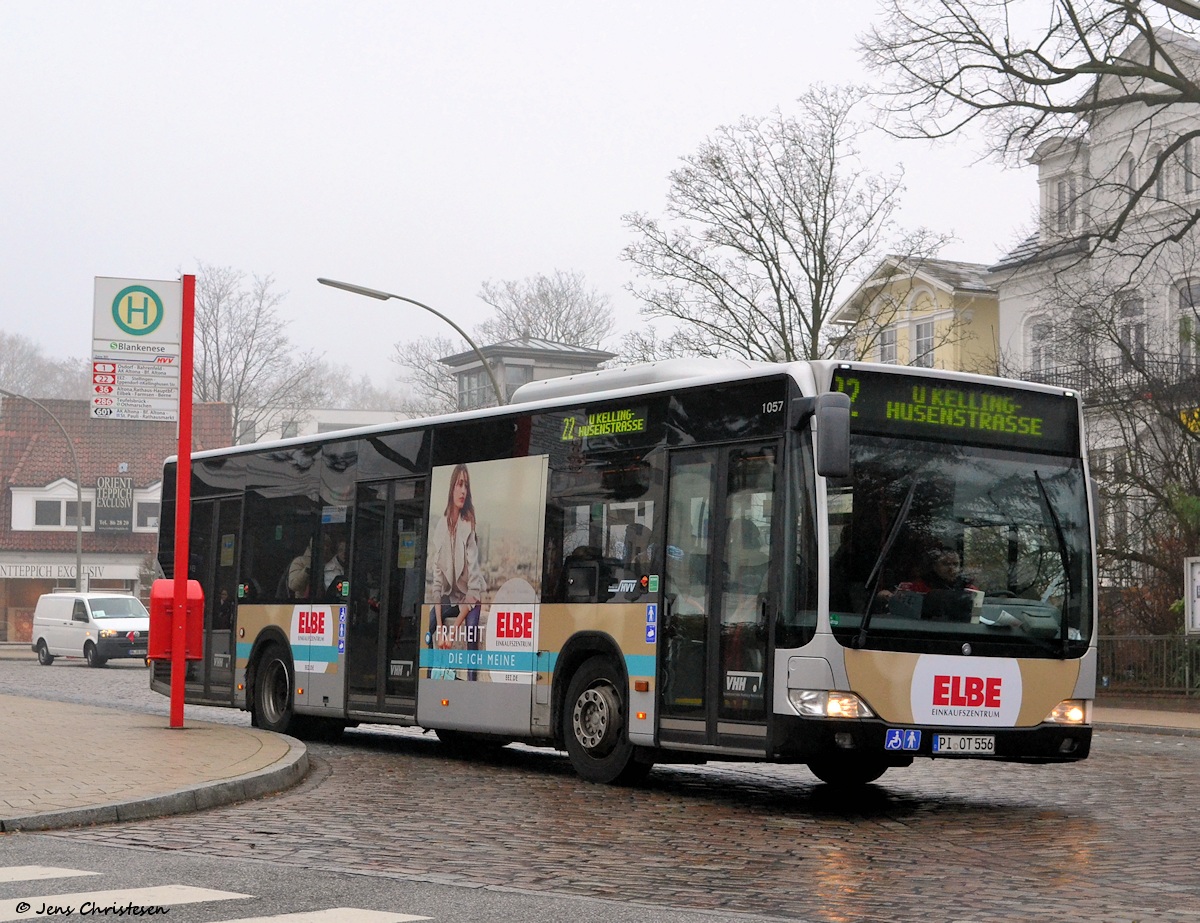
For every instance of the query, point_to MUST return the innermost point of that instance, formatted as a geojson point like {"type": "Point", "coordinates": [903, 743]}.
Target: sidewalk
{"type": "Point", "coordinates": [66, 765]}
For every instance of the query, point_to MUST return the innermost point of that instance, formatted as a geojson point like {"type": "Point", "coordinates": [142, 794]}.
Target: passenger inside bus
{"type": "Point", "coordinates": [939, 590]}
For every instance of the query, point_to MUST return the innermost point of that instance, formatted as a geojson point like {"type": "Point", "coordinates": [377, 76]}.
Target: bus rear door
{"type": "Point", "coordinates": [386, 586]}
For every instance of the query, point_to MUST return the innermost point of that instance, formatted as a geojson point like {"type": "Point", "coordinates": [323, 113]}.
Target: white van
{"type": "Point", "coordinates": [94, 626]}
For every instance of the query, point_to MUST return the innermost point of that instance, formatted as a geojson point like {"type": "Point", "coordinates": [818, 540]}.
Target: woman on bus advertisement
{"type": "Point", "coordinates": [482, 575]}
{"type": "Point", "coordinates": [458, 581]}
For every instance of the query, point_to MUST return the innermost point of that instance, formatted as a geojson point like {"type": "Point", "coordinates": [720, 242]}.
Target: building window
{"type": "Point", "coordinates": [887, 345]}
{"type": "Point", "coordinates": [515, 376]}
{"type": "Point", "coordinates": [147, 515]}
{"type": "Point", "coordinates": [475, 390]}
{"type": "Point", "coordinates": [247, 432]}
{"type": "Point", "coordinates": [1189, 175]}
{"type": "Point", "coordinates": [1189, 329]}
{"type": "Point", "coordinates": [1041, 353]}
{"type": "Point", "coordinates": [289, 428]}
{"type": "Point", "coordinates": [923, 345]}
{"type": "Point", "coordinates": [1130, 174]}
{"type": "Point", "coordinates": [1064, 210]}
{"type": "Point", "coordinates": [1159, 173]}
{"type": "Point", "coordinates": [1132, 332]}
{"type": "Point", "coordinates": [47, 512]}
{"type": "Point", "coordinates": [72, 518]}
{"type": "Point", "coordinates": [61, 514]}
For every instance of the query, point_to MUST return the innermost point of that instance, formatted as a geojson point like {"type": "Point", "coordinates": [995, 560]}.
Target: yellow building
{"type": "Point", "coordinates": [939, 314]}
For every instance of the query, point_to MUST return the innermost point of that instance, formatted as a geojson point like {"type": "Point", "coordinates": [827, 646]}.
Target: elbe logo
{"type": "Point", "coordinates": [137, 310]}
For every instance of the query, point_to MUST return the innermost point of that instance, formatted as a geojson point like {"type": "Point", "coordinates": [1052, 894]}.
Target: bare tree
{"type": "Point", "coordinates": [1040, 85]}
{"type": "Point", "coordinates": [349, 388]}
{"type": "Point", "coordinates": [765, 223]}
{"type": "Point", "coordinates": [560, 307]}
{"type": "Point", "coordinates": [26, 369]}
{"type": "Point", "coordinates": [433, 388]}
{"type": "Point", "coordinates": [243, 355]}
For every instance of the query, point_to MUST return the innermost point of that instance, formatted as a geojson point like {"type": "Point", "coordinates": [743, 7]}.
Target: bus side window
{"type": "Point", "coordinates": [280, 519]}
{"type": "Point", "coordinates": [600, 538]}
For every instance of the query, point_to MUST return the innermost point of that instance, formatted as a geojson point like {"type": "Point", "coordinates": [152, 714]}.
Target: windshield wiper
{"type": "Point", "coordinates": [1065, 558]}
{"type": "Point", "coordinates": [872, 585]}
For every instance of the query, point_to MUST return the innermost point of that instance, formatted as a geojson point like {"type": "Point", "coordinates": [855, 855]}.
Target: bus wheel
{"type": "Point", "coordinates": [594, 726]}
{"type": "Point", "coordinates": [273, 691]}
{"type": "Point", "coordinates": [844, 771]}
{"type": "Point", "coordinates": [92, 656]}
{"type": "Point", "coordinates": [45, 658]}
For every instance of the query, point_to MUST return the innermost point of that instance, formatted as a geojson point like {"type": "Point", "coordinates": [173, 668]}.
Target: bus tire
{"type": "Point", "coordinates": [45, 658]}
{"type": "Point", "coordinates": [845, 771]}
{"type": "Point", "coordinates": [273, 691]}
{"type": "Point", "coordinates": [595, 726]}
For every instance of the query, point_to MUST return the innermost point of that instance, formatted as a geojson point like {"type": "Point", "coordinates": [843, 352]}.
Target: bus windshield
{"type": "Point", "coordinates": [936, 546]}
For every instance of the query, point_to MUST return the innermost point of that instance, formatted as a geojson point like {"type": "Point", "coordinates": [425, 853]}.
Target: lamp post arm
{"type": "Point", "coordinates": [384, 296]}
{"type": "Point", "coordinates": [462, 333]}
{"type": "Point", "coordinates": [78, 483]}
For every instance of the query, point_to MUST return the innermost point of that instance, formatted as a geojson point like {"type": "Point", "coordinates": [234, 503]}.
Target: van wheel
{"type": "Point", "coordinates": [92, 656]}
{"type": "Point", "coordinates": [45, 658]}
{"type": "Point", "coordinates": [595, 726]}
{"type": "Point", "coordinates": [273, 691]}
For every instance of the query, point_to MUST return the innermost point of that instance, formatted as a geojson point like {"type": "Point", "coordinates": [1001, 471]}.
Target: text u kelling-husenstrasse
{"type": "Point", "coordinates": [965, 410]}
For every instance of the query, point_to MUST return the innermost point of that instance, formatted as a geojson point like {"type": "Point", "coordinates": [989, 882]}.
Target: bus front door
{"type": "Point", "coordinates": [386, 586]}
{"type": "Point", "coordinates": [213, 553]}
{"type": "Point", "coordinates": [718, 594]}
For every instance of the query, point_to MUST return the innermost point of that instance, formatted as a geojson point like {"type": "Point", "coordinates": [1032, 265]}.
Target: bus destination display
{"type": "Point", "coordinates": [910, 405]}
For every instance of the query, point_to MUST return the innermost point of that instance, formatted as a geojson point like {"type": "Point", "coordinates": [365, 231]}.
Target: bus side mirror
{"type": "Point", "coordinates": [833, 434]}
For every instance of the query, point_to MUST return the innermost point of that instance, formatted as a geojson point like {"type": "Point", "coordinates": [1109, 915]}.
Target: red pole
{"type": "Point", "coordinates": [183, 502]}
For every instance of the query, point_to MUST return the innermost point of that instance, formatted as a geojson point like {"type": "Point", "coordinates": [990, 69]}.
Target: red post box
{"type": "Point", "coordinates": [162, 601]}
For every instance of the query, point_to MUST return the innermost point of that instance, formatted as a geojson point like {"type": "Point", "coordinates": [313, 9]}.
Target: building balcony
{"type": "Point", "coordinates": [1105, 381]}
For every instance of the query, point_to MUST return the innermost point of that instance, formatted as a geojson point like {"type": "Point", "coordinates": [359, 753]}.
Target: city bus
{"type": "Point", "coordinates": [684, 561]}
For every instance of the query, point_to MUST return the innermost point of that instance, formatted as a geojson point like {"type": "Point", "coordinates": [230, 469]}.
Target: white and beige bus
{"type": "Point", "coordinates": [839, 564]}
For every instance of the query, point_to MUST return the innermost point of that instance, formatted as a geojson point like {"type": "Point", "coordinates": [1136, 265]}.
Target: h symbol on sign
{"type": "Point", "coordinates": [131, 309]}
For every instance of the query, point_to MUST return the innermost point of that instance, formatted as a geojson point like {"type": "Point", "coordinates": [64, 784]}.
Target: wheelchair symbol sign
{"type": "Point", "coordinates": [902, 739]}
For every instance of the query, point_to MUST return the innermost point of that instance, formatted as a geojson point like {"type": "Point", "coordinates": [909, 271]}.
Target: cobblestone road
{"type": "Point", "coordinates": [1110, 839]}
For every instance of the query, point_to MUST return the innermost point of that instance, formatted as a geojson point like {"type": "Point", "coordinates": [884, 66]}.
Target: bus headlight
{"type": "Point", "coordinates": [822, 703]}
{"type": "Point", "coordinates": [1069, 711]}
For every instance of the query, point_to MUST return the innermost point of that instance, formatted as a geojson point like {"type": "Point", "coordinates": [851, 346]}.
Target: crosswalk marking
{"type": "Point", "coordinates": [167, 895]}
{"type": "Point", "coordinates": [37, 873]}
{"type": "Point", "coordinates": [336, 915]}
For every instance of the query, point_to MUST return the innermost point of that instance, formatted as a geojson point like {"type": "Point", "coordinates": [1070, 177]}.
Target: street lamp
{"type": "Point", "coordinates": [78, 485]}
{"type": "Point", "coordinates": [384, 296]}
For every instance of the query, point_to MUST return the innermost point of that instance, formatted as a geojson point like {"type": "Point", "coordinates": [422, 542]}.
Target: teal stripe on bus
{"type": "Point", "coordinates": [308, 652]}
{"type": "Point", "coordinates": [315, 653]}
{"type": "Point", "coordinates": [500, 661]}
{"type": "Point", "coordinates": [635, 664]}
